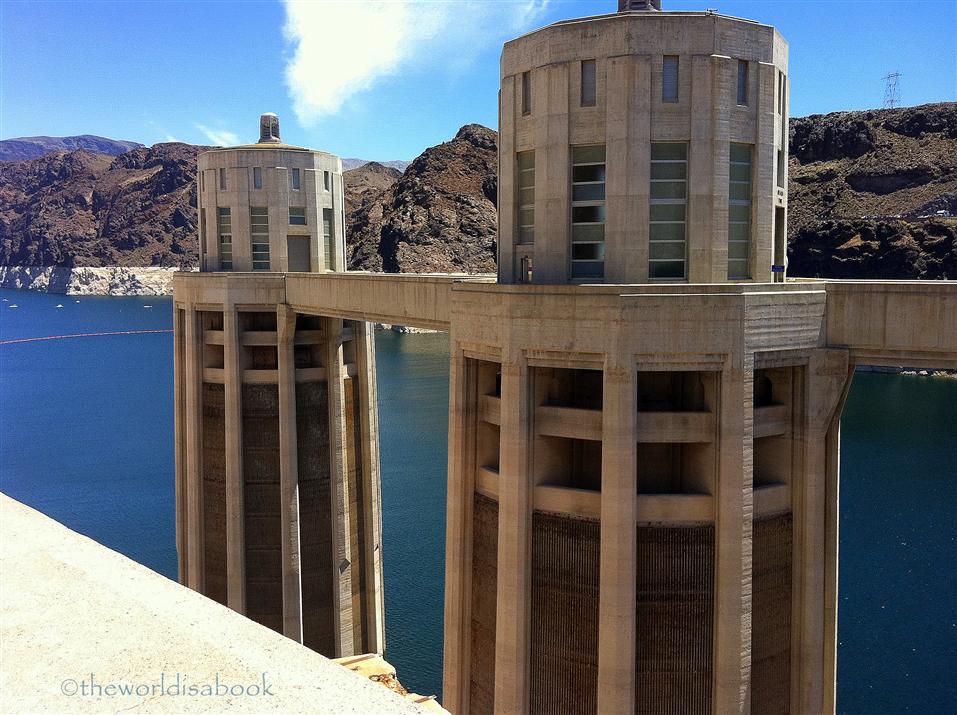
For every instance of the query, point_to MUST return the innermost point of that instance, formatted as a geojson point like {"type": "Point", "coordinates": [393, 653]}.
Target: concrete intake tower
{"type": "Point", "coordinates": [643, 412]}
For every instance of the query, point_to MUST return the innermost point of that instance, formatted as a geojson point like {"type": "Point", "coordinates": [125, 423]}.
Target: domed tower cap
{"type": "Point", "coordinates": [626, 5]}
{"type": "Point", "coordinates": [269, 128]}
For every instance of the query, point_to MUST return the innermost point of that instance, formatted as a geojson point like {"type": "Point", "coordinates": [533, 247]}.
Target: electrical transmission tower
{"type": "Point", "coordinates": [892, 90]}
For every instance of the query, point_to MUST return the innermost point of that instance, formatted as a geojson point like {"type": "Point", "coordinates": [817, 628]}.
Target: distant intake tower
{"type": "Point", "coordinates": [277, 445]}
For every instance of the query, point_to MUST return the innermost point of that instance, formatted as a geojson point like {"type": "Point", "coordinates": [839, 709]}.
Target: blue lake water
{"type": "Point", "coordinates": [86, 436]}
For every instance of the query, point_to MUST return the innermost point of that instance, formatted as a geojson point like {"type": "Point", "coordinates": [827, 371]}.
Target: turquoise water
{"type": "Point", "coordinates": [86, 429]}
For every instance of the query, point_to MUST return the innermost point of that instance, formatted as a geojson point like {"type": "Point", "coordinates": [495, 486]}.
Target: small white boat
{"type": "Point", "coordinates": [147, 306]}
{"type": "Point", "coordinates": [59, 305]}
{"type": "Point", "coordinates": [13, 305]}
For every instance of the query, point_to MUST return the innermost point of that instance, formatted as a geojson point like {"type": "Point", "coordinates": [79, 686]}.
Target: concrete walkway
{"type": "Point", "coordinates": [84, 629]}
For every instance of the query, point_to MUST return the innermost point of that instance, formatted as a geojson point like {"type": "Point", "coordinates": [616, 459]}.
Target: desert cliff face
{"type": "Point", "coordinates": [864, 193]}
{"type": "Point", "coordinates": [438, 217]}
{"type": "Point", "coordinates": [85, 209]}
{"type": "Point", "coordinates": [865, 190]}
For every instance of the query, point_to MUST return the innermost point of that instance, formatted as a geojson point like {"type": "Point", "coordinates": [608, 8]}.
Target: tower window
{"type": "Point", "coordinates": [325, 180]}
{"type": "Point", "coordinates": [222, 179]}
{"type": "Point", "coordinates": [297, 216]}
{"type": "Point", "coordinates": [294, 179]}
{"type": "Point", "coordinates": [589, 83]}
{"type": "Point", "coordinates": [328, 252]}
{"type": "Point", "coordinates": [668, 210]}
{"type": "Point", "coordinates": [588, 211]}
{"type": "Point", "coordinates": [739, 212]}
{"type": "Point", "coordinates": [224, 228]}
{"type": "Point", "coordinates": [259, 233]}
{"type": "Point", "coordinates": [669, 78]}
{"type": "Point", "coordinates": [257, 177]}
{"type": "Point", "coordinates": [742, 82]}
{"type": "Point", "coordinates": [526, 93]}
{"type": "Point", "coordinates": [526, 196]}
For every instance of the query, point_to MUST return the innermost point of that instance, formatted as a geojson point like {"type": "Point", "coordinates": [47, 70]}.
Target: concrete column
{"type": "Point", "coordinates": [195, 572]}
{"type": "Point", "coordinates": [463, 404]}
{"type": "Point", "coordinates": [339, 492]}
{"type": "Point", "coordinates": [507, 190]}
{"type": "Point", "coordinates": [552, 179]}
{"type": "Point", "coordinates": [513, 598]}
{"type": "Point", "coordinates": [371, 486]}
{"type": "Point", "coordinates": [289, 475]}
{"type": "Point", "coordinates": [701, 187]}
{"type": "Point", "coordinates": [826, 385]}
{"type": "Point", "coordinates": [762, 233]}
{"type": "Point", "coordinates": [831, 554]}
{"type": "Point", "coordinates": [235, 509]}
{"type": "Point", "coordinates": [734, 511]}
{"type": "Point", "coordinates": [179, 381]}
{"type": "Point", "coordinates": [621, 150]}
{"type": "Point", "coordinates": [619, 499]}
{"type": "Point", "coordinates": [723, 76]}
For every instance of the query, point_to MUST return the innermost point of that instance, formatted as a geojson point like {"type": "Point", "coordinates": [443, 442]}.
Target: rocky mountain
{"type": "Point", "coordinates": [438, 216]}
{"type": "Point", "coordinates": [866, 188]}
{"type": "Point", "coordinates": [367, 181]}
{"type": "Point", "coordinates": [23, 148]}
{"type": "Point", "coordinates": [865, 193]}
{"type": "Point", "coordinates": [86, 209]}
{"type": "Point", "coordinates": [399, 165]}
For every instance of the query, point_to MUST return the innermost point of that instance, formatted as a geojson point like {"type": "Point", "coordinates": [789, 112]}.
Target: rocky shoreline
{"type": "Point", "coordinates": [63, 280]}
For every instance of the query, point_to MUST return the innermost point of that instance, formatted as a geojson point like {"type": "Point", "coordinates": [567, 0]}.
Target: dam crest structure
{"type": "Point", "coordinates": [643, 410]}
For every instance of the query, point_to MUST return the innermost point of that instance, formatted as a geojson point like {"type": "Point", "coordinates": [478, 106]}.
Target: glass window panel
{"type": "Point", "coordinates": [588, 192]}
{"type": "Point", "coordinates": [739, 213]}
{"type": "Point", "coordinates": [738, 249]}
{"type": "Point", "coordinates": [669, 79]}
{"type": "Point", "coordinates": [666, 269]}
{"type": "Point", "coordinates": [594, 232]}
{"type": "Point", "coordinates": [672, 249]}
{"type": "Point", "coordinates": [588, 269]}
{"type": "Point", "coordinates": [740, 190]}
{"type": "Point", "coordinates": [526, 160]}
{"type": "Point", "coordinates": [526, 217]}
{"type": "Point", "coordinates": [742, 82]}
{"type": "Point", "coordinates": [741, 153]}
{"type": "Point", "coordinates": [669, 151]}
{"type": "Point", "coordinates": [294, 177]}
{"type": "Point", "coordinates": [667, 212]}
{"type": "Point", "coordinates": [526, 197]}
{"type": "Point", "coordinates": [739, 232]}
{"type": "Point", "coordinates": [740, 172]}
{"type": "Point", "coordinates": [589, 83]}
{"type": "Point", "coordinates": [526, 235]}
{"type": "Point", "coordinates": [668, 189]}
{"type": "Point", "coordinates": [257, 177]}
{"type": "Point", "coordinates": [526, 92]}
{"type": "Point", "coordinates": [738, 269]}
{"type": "Point", "coordinates": [588, 251]}
{"type": "Point", "coordinates": [666, 232]}
{"type": "Point", "coordinates": [591, 172]}
{"type": "Point", "coordinates": [594, 153]}
{"type": "Point", "coordinates": [588, 214]}
{"type": "Point", "coordinates": [669, 170]}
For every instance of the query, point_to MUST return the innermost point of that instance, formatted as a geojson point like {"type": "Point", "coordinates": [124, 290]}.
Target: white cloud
{"type": "Point", "coordinates": [219, 137]}
{"type": "Point", "coordinates": [342, 47]}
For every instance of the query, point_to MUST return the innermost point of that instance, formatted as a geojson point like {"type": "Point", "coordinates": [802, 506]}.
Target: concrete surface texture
{"type": "Point", "coordinates": [76, 618]}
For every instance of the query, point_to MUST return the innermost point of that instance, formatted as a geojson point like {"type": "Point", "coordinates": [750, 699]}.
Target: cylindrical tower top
{"type": "Point", "coordinates": [269, 129]}
{"type": "Point", "coordinates": [625, 5]}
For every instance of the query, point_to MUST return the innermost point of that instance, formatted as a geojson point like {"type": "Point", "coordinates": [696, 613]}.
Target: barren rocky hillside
{"type": "Point", "coordinates": [865, 191]}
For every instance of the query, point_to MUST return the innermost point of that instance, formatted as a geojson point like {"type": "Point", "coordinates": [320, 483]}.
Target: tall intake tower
{"type": "Point", "coordinates": [278, 509]}
{"type": "Point", "coordinates": [636, 472]}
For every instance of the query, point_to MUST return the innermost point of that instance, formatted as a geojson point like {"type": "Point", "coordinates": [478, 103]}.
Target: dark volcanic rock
{"type": "Point", "coordinates": [438, 217]}
{"type": "Point", "coordinates": [865, 190]}
{"type": "Point", "coordinates": [83, 209]}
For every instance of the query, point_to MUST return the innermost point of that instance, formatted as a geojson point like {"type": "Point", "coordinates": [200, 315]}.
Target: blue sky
{"type": "Point", "coordinates": [381, 79]}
